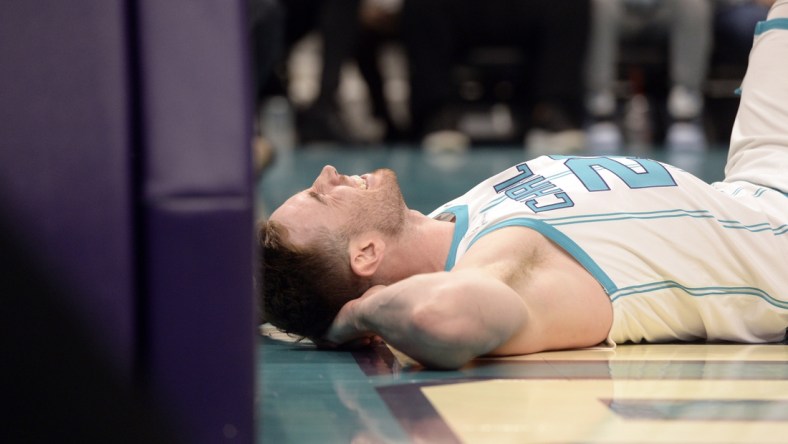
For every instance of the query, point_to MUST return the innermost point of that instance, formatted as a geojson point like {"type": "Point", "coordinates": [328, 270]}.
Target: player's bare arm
{"type": "Point", "coordinates": [567, 307]}
{"type": "Point", "coordinates": [441, 320]}
{"type": "Point", "coordinates": [492, 303]}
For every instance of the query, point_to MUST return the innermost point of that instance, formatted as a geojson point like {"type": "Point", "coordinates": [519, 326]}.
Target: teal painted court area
{"type": "Point", "coordinates": [636, 393]}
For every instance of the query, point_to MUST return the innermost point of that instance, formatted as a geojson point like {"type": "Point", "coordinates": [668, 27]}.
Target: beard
{"type": "Point", "coordinates": [382, 209]}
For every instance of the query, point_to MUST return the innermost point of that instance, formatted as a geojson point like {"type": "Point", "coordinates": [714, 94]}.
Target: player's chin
{"type": "Point", "coordinates": [386, 175]}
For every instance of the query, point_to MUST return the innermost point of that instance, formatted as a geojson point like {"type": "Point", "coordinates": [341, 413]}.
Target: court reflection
{"type": "Point", "coordinates": [634, 393]}
{"type": "Point", "coordinates": [657, 393]}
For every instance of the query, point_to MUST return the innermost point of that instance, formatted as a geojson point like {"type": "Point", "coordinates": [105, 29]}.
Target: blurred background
{"type": "Point", "coordinates": [450, 91]}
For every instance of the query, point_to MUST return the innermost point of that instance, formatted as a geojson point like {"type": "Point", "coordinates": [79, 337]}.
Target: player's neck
{"type": "Point", "coordinates": [425, 244]}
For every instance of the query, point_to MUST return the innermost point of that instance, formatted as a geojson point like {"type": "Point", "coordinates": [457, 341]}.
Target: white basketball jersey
{"type": "Point", "coordinates": [680, 259]}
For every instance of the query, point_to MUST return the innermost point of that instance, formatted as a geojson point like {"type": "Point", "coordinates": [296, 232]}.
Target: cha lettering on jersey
{"type": "Point", "coordinates": [534, 191]}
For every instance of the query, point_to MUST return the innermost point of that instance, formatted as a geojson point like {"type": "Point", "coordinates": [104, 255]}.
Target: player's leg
{"type": "Point", "coordinates": [759, 141]}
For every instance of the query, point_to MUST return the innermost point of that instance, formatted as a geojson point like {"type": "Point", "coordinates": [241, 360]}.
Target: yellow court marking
{"type": "Point", "coordinates": [648, 352]}
{"type": "Point", "coordinates": [553, 411]}
{"type": "Point", "coordinates": [666, 352]}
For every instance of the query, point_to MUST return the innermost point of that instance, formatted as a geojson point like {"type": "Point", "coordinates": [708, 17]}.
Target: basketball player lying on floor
{"type": "Point", "coordinates": [554, 253]}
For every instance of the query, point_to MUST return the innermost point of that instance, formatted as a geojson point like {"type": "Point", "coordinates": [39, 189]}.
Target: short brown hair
{"type": "Point", "coordinates": [302, 288]}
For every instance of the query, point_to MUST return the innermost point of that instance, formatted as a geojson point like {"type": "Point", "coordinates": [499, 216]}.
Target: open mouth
{"type": "Point", "coordinates": [361, 182]}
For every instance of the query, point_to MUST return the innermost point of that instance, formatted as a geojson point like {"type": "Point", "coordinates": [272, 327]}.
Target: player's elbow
{"type": "Point", "coordinates": [444, 335]}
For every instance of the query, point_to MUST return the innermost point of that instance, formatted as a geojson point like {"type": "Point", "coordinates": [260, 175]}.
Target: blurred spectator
{"type": "Point", "coordinates": [438, 33]}
{"type": "Point", "coordinates": [349, 29]}
{"type": "Point", "coordinates": [380, 20]}
{"type": "Point", "coordinates": [338, 27]}
{"type": "Point", "coordinates": [734, 23]}
{"type": "Point", "coordinates": [296, 18]}
{"type": "Point", "coordinates": [687, 24]}
{"type": "Point", "coordinates": [266, 24]}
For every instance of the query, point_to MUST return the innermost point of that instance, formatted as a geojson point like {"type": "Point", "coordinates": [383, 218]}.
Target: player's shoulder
{"type": "Point", "coordinates": [516, 244]}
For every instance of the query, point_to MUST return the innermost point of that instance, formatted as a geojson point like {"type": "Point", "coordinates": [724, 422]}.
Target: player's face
{"type": "Point", "coordinates": [338, 202]}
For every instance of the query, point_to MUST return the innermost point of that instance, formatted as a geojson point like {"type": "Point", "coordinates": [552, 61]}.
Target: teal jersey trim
{"type": "Point", "coordinates": [460, 213]}
{"type": "Point", "coordinates": [492, 204]}
{"type": "Point", "coordinates": [699, 292]}
{"type": "Point", "coordinates": [608, 217]}
{"type": "Point", "coordinates": [666, 214]}
{"type": "Point", "coordinates": [768, 25]}
{"type": "Point", "coordinates": [563, 241]}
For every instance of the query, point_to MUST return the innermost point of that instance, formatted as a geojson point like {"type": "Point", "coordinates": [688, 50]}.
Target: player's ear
{"type": "Point", "coordinates": [366, 253]}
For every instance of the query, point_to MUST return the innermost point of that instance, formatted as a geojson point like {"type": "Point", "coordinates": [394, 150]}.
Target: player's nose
{"type": "Point", "coordinates": [328, 176]}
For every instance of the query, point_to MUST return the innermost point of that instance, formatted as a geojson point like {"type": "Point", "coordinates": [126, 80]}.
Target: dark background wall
{"type": "Point", "coordinates": [125, 175]}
